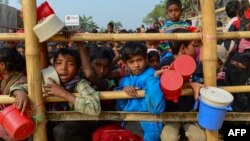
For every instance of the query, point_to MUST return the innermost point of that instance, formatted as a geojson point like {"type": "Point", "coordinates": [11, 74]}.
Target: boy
{"type": "Point", "coordinates": [233, 12]}
{"type": "Point", "coordinates": [12, 77]}
{"type": "Point", "coordinates": [152, 44]}
{"type": "Point", "coordinates": [170, 131]}
{"type": "Point", "coordinates": [67, 63]}
{"type": "Point", "coordinates": [134, 54]}
{"type": "Point", "coordinates": [173, 11]}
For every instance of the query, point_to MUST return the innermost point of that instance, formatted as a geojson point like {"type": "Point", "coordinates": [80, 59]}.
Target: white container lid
{"type": "Point", "coordinates": [48, 27]}
{"type": "Point", "coordinates": [216, 97]}
{"type": "Point", "coordinates": [50, 72]}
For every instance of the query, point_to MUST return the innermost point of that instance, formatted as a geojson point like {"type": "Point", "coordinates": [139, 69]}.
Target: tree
{"type": "Point", "coordinates": [157, 13]}
{"type": "Point", "coordinates": [4, 1]}
{"type": "Point", "coordinates": [87, 24]}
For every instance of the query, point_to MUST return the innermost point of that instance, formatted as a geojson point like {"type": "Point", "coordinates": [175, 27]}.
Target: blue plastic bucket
{"type": "Point", "coordinates": [210, 117]}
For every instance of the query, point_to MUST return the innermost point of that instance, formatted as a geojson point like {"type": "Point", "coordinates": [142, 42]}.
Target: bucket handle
{"type": "Point", "coordinates": [229, 108]}
{"type": "Point", "coordinates": [196, 104]}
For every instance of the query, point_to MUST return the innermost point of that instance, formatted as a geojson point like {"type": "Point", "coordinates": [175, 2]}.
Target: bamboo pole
{"type": "Point", "coordinates": [131, 36]}
{"type": "Point", "coordinates": [33, 69]}
{"type": "Point", "coordinates": [108, 95]}
{"type": "Point", "coordinates": [105, 95]}
{"type": "Point", "coordinates": [11, 36]}
{"type": "Point", "coordinates": [209, 55]}
{"type": "Point", "coordinates": [139, 116]}
{"type": "Point", "coordinates": [148, 36]}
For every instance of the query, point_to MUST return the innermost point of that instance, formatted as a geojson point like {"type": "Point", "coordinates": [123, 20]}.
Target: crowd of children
{"type": "Point", "coordinates": [90, 67]}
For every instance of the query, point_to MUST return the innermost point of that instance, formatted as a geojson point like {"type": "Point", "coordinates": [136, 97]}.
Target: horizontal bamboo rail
{"type": "Point", "coordinates": [105, 95]}
{"type": "Point", "coordinates": [132, 36]}
{"type": "Point", "coordinates": [139, 116]}
{"type": "Point", "coordinates": [11, 36]}
{"type": "Point", "coordinates": [108, 95]}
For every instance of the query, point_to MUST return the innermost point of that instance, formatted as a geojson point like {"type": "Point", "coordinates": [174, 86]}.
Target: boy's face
{"type": "Point", "coordinates": [136, 64]}
{"type": "Point", "coordinates": [152, 44]}
{"type": "Point", "coordinates": [101, 66]}
{"type": "Point", "coordinates": [174, 12]}
{"type": "Point", "coordinates": [154, 62]}
{"type": "Point", "coordinates": [109, 28]}
{"type": "Point", "coordinates": [66, 67]}
{"type": "Point", "coordinates": [191, 49]}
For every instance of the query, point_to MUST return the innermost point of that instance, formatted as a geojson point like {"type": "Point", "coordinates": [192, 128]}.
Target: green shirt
{"type": "Point", "coordinates": [88, 102]}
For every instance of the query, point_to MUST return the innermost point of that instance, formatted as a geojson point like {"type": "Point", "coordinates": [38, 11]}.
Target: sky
{"type": "Point", "coordinates": [129, 12]}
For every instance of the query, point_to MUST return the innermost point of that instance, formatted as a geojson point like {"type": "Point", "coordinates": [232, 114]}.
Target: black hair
{"type": "Point", "coordinates": [90, 46]}
{"type": "Point", "coordinates": [131, 49]}
{"type": "Point", "coordinates": [152, 54]}
{"type": "Point", "coordinates": [71, 52]}
{"type": "Point", "coordinates": [123, 31]}
{"type": "Point", "coordinates": [172, 2]}
{"type": "Point", "coordinates": [20, 45]}
{"type": "Point", "coordinates": [111, 24]}
{"type": "Point", "coordinates": [53, 44]}
{"type": "Point", "coordinates": [232, 8]}
{"type": "Point", "coordinates": [94, 30]}
{"type": "Point", "coordinates": [152, 31]}
{"type": "Point", "coordinates": [189, 22]}
{"type": "Point", "coordinates": [176, 45]}
{"type": "Point", "coordinates": [12, 59]}
{"type": "Point", "coordinates": [52, 53]}
{"type": "Point", "coordinates": [102, 53]}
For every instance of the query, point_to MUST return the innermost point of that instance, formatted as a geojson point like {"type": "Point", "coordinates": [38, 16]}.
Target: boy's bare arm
{"type": "Point", "coordinates": [44, 56]}
{"type": "Point", "coordinates": [195, 87]}
{"type": "Point", "coordinates": [87, 69]}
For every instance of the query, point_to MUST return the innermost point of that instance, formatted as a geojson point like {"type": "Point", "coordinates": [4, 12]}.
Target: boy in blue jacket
{"type": "Point", "coordinates": [141, 77]}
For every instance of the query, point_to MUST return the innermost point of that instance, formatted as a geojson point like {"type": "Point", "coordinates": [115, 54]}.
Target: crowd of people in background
{"type": "Point", "coordinates": [93, 66]}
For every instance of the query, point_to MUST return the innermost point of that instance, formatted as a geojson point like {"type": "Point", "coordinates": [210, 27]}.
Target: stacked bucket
{"type": "Point", "coordinates": [172, 79]}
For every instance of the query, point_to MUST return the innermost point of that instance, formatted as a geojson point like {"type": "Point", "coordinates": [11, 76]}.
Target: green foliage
{"type": "Point", "coordinates": [4, 1]}
{"type": "Point", "coordinates": [157, 13]}
{"type": "Point", "coordinates": [87, 24]}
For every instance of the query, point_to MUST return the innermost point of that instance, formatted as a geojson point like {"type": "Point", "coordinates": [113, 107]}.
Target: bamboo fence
{"type": "Point", "coordinates": [132, 36]}
{"type": "Point", "coordinates": [208, 36]}
{"type": "Point", "coordinates": [32, 54]}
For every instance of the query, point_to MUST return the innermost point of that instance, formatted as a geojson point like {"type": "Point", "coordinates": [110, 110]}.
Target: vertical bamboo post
{"type": "Point", "coordinates": [33, 69]}
{"type": "Point", "coordinates": [209, 50]}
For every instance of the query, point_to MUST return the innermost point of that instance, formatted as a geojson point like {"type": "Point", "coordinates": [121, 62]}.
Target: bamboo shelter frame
{"type": "Point", "coordinates": [208, 36]}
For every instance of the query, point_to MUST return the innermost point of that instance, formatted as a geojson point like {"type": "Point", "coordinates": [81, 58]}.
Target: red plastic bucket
{"type": "Point", "coordinates": [44, 10]}
{"type": "Point", "coordinates": [185, 65]}
{"type": "Point", "coordinates": [171, 84]}
{"type": "Point", "coordinates": [18, 126]}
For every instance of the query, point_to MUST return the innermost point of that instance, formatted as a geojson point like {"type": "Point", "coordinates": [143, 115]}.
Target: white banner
{"type": "Point", "coordinates": [72, 20]}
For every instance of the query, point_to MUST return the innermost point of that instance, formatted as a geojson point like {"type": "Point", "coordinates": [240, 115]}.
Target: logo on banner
{"type": "Point", "coordinates": [72, 20]}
